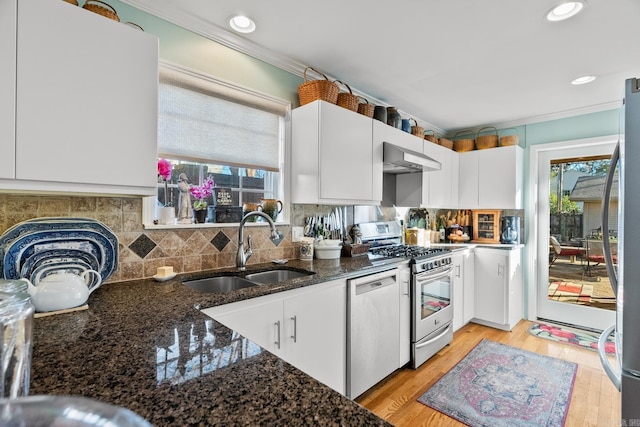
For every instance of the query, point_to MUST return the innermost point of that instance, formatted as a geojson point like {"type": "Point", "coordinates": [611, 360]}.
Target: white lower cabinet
{"type": "Point", "coordinates": [305, 327]}
{"type": "Point", "coordinates": [463, 288]}
{"type": "Point", "coordinates": [498, 287]}
{"type": "Point", "coordinates": [405, 314]}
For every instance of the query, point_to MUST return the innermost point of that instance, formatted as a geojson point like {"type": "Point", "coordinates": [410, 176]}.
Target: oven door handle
{"type": "Point", "coordinates": [432, 340]}
{"type": "Point", "coordinates": [423, 277]}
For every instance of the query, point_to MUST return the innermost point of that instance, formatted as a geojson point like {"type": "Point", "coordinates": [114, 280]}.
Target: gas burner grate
{"type": "Point", "coordinates": [405, 251]}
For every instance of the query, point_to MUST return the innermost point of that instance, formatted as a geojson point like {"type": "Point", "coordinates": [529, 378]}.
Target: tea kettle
{"type": "Point", "coordinates": [62, 290]}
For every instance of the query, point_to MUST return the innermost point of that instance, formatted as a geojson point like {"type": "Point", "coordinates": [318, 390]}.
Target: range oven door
{"type": "Point", "coordinates": [431, 302]}
{"type": "Point", "coordinates": [432, 315]}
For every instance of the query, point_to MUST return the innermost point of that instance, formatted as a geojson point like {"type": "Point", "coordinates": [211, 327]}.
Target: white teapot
{"type": "Point", "coordinates": [62, 290]}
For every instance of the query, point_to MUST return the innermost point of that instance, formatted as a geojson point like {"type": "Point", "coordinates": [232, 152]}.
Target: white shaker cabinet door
{"type": "Point", "coordinates": [8, 16]}
{"type": "Point", "coordinates": [315, 334]}
{"type": "Point", "coordinates": [86, 98]}
{"type": "Point", "coordinates": [260, 322]}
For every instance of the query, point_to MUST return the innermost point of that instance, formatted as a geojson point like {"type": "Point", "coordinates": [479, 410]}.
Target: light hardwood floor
{"type": "Point", "coordinates": [594, 401]}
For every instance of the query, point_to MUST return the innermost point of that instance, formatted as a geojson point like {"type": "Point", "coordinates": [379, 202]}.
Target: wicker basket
{"type": "Point", "coordinates": [365, 108]}
{"type": "Point", "coordinates": [446, 143]}
{"type": "Point", "coordinates": [73, 2]}
{"type": "Point", "coordinates": [101, 8]}
{"type": "Point", "coordinates": [510, 139]}
{"type": "Point", "coordinates": [431, 138]}
{"type": "Point", "coordinates": [416, 130]}
{"type": "Point", "coordinates": [487, 141]}
{"type": "Point", "coordinates": [347, 100]}
{"type": "Point", "coordinates": [464, 144]}
{"type": "Point", "coordinates": [314, 90]}
{"type": "Point", "coordinates": [134, 25]}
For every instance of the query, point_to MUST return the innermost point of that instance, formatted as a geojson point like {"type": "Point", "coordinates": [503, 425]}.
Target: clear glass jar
{"type": "Point", "coordinates": [16, 325]}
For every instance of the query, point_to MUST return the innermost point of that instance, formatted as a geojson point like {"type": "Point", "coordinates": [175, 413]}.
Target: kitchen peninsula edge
{"type": "Point", "coordinates": [141, 345]}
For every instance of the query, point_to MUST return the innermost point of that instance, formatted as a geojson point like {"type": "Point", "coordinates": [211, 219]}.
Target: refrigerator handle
{"type": "Point", "coordinates": [606, 197]}
{"type": "Point", "coordinates": [614, 376]}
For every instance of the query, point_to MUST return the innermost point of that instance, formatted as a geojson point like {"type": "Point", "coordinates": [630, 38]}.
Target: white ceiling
{"type": "Point", "coordinates": [451, 64]}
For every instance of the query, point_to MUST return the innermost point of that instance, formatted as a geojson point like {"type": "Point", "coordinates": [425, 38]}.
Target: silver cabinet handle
{"type": "Point", "coordinates": [458, 273]}
{"type": "Point", "coordinates": [406, 282]}
{"type": "Point", "coordinates": [277, 343]}
{"type": "Point", "coordinates": [295, 327]}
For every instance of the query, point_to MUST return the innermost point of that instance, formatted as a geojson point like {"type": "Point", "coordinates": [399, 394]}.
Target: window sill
{"type": "Point", "coordinates": [208, 225]}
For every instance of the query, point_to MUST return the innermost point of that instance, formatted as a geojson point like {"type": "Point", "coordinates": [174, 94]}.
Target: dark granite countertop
{"type": "Point", "coordinates": [145, 345]}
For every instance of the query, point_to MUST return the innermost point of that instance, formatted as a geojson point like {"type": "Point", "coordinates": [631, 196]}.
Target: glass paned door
{"type": "Point", "coordinates": [573, 286]}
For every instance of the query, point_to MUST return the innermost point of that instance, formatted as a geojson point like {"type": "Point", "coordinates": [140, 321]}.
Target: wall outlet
{"type": "Point", "coordinates": [297, 233]}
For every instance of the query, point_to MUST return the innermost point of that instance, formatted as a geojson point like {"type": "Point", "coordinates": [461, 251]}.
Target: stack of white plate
{"type": "Point", "coordinates": [35, 248]}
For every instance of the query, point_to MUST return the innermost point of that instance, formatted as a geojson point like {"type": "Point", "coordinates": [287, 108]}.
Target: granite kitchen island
{"type": "Point", "coordinates": [146, 346]}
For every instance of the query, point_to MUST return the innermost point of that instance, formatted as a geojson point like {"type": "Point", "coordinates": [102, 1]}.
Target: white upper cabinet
{"type": "Point", "coordinates": [440, 188]}
{"type": "Point", "coordinates": [382, 132]}
{"type": "Point", "coordinates": [8, 16]}
{"type": "Point", "coordinates": [491, 178]}
{"type": "Point", "coordinates": [84, 97]}
{"type": "Point", "coordinates": [332, 156]}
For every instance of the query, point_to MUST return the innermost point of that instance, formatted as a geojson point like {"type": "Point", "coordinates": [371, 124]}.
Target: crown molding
{"type": "Point", "coordinates": [611, 105]}
{"type": "Point", "coordinates": [226, 38]}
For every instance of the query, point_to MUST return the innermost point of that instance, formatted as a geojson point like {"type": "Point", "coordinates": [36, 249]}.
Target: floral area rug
{"type": "Point", "coordinates": [497, 385]}
{"type": "Point", "coordinates": [567, 335]}
{"type": "Point", "coordinates": [570, 292]}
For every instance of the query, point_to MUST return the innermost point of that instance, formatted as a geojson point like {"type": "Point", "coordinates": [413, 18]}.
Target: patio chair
{"type": "Point", "coordinates": [594, 254]}
{"type": "Point", "coordinates": [558, 250]}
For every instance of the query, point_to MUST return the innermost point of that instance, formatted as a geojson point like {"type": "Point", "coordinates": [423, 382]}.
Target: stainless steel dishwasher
{"type": "Point", "coordinates": [373, 325]}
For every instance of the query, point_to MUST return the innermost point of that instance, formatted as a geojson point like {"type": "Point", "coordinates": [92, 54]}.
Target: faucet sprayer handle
{"type": "Point", "coordinates": [249, 243]}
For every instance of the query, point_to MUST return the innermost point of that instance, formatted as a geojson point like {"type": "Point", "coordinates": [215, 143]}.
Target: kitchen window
{"type": "Point", "coordinates": [211, 128]}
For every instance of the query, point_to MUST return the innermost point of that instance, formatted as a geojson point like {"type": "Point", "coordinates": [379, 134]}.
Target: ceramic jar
{"type": "Point", "coordinates": [380, 113]}
{"type": "Point", "coordinates": [393, 117]}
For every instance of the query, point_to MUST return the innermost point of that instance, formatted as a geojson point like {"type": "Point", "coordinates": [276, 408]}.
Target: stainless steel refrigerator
{"type": "Point", "coordinates": [625, 281]}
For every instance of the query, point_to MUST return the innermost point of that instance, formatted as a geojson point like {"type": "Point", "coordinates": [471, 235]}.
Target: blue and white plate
{"type": "Point", "coordinates": [50, 224]}
{"type": "Point", "coordinates": [22, 248]}
{"type": "Point", "coordinates": [59, 256]}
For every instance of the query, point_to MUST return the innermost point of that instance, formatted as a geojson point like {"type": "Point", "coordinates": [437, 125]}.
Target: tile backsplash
{"type": "Point", "coordinates": [142, 251]}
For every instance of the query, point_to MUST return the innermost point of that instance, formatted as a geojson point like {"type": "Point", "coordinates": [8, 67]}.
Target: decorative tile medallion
{"type": "Point", "coordinates": [142, 246]}
{"type": "Point", "coordinates": [220, 241]}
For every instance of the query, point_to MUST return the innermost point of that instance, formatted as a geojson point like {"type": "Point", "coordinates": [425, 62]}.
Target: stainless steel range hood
{"type": "Point", "coordinates": [398, 160]}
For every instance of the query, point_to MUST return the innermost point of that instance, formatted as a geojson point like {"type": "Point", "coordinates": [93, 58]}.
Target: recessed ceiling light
{"type": "Point", "coordinates": [565, 10]}
{"type": "Point", "coordinates": [583, 80]}
{"type": "Point", "coordinates": [242, 24]}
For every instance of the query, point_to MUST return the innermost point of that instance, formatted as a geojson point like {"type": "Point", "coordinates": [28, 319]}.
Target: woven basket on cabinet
{"type": "Point", "coordinates": [314, 90]}
{"type": "Point", "coordinates": [347, 100]}
{"type": "Point", "coordinates": [416, 130]}
{"type": "Point", "coordinates": [464, 144]}
{"type": "Point", "coordinates": [365, 108]}
{"type": "Point", "coordinates": [101, 8]}
{"type": "Point", "coordinates": [487, 141]}
{"type": "Point", "coordinates": [446, 143]}
{"type": "Point", "coordinates": [510, 139]}
{"type": "Point", "coordinates": [431, 138]}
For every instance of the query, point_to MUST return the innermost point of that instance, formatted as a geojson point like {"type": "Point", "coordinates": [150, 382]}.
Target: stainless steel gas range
{"type": "Point", "coordinates": [431, 287]}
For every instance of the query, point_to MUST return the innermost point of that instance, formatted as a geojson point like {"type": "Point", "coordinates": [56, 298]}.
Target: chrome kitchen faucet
{"type": "Point", "coordinates": [243, 256]}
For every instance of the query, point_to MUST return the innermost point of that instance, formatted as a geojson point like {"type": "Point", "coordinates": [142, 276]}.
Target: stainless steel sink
{"type": "Point", "coordinates": [276, 276]}
{"type": "Point", "coordinates": [219, 284]}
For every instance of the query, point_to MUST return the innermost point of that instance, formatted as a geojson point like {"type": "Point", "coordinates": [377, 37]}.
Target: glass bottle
{"type": "Point", "coordinates": [441, 230]}
{"type": "Point", "coordinates": [393, 117]}
{"type": "Point", "coordinates": [16, 324]}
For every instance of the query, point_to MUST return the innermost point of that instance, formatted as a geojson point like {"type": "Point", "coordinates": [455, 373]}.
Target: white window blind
{"type": "Point", "coordinates": [202, 119]}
